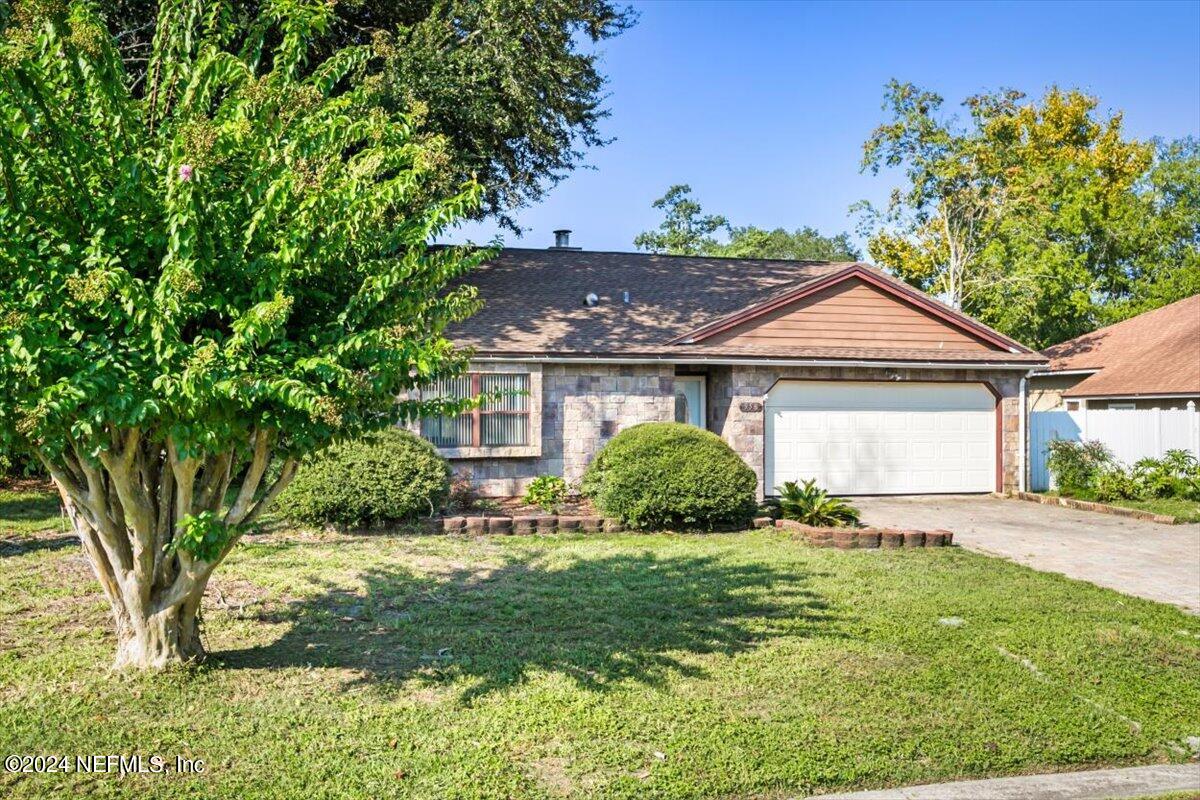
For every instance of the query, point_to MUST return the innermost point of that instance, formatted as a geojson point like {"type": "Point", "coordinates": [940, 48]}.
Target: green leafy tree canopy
{"type": "Point", "coordinates": [512, 87]}
{"type": "Point", "coordinates": [221, 270]}
{"type": "Point", "coordinates": [687, 231]}
{"type": "Point", "coordinates": [1041, 218]}
{"type": "Point", "coordinates": [802, 244]}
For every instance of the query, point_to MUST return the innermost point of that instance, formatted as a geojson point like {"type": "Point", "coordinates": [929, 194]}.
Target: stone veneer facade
{"type": "Point", "coordinates": [584, 405]}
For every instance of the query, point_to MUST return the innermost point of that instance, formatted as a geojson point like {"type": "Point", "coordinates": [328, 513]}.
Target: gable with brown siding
{"type": "Point", "coordinates": [851, 313]}
{"type": "Point", "coordinates": [568, 303]}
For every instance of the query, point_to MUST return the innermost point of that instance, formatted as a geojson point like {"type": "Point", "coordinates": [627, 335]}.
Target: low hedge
{"type": "Point", "coordinates": [390, 476]}
{"type": "Point", "coordinates": [670, 475]}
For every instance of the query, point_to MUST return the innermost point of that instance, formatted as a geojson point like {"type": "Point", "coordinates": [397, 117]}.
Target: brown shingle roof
{"type": "Point", "coordinates": [1155, 353]}
{"type": "Point", "coordinates": [534, 305]}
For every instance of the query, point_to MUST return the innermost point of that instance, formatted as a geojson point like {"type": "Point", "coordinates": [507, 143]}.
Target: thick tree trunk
{"type": "Point", "coordinates": [128, 506]}
{"type": "Point", "coordinates": [167, 639]}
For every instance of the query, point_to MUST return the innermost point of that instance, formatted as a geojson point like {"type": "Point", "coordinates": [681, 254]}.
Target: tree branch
{"type": "Point", "coordinates": [258, 464]}
{"type": "Point", "coordinates": [285, 477]}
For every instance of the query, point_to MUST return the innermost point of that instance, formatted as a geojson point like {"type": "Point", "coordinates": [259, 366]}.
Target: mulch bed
{"type": "Point", "coordinates": [515, 507]}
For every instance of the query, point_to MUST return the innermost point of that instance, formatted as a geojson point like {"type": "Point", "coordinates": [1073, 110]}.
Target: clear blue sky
{"type": "Point", "coordinates": [763, 107]}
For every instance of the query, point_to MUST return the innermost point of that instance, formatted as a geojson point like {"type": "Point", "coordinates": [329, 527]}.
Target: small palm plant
{"type": "Point", "coordinates": [811, 505]}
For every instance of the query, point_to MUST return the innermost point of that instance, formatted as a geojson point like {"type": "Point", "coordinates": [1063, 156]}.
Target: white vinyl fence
{"type": "Point", "coordinates": [1130, 434]}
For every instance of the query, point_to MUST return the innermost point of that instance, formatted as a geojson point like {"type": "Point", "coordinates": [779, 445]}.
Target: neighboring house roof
{"type": "Point", "coordinates": [699, 307]}
{"type": "Point", "coordinates": [1156, 353]}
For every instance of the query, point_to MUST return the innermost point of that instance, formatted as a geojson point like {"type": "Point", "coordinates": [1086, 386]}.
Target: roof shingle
{"type": "Point", "coordinates": [534, 305]}
{"type": "Point", "coordinates": [1156, 353]}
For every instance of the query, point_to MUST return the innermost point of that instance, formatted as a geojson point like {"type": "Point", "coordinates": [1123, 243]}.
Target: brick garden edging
{"type": "Point", "coordinates": [1103, 508]}
{"type": "Point", "coordinates": [844, 538]}
{"type": "Point", "coordinates": [527, 525]}
{"type": "Point", "coordinates": [866, 538]}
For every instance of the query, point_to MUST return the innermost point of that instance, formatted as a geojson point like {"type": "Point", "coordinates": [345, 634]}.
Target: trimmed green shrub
{"type": "Point", "coordinates": [670, 475]}
{"type": "Point", "coordinates": [1114, 483]}
{"type": "Point", "coordinates": [547, 492]}
{"type": "Point", "coordinates": [810, 505]}
{"type": "Point", "coordinates": [1075, 465]}
{"type": "Point", "coordinates": [390, 476]}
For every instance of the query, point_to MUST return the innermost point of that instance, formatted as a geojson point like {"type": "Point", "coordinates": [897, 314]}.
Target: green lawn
{"type": "Point", "coordinates": [29, 511]}
{"type": "Point", "coordinates": [1185, 510]}
{"type": "Point", "coordinates": [731, 665]}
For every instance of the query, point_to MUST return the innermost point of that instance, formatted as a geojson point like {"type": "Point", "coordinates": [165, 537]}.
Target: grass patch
{"type": "Point", "coordinates": [617, 666]}
{"type": "Point", "coordinates": [1184, 510]}
{"type": "Point", "coordinates": [29, 512]}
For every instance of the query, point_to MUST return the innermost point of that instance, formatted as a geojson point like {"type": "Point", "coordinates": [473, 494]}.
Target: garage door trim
{"type": "Point", "coordinates": [996, 396]}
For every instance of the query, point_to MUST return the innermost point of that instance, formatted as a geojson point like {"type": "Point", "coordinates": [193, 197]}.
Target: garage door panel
{"type": "Point", "coordinates": [838, 482]}
{"type": "Point", "coordinates": [979, 451]}
{"type": "Point", "coordinates": [867, 452]}
{"type": "Point", "coordinates": [951, 451]}
{"type": "Point", "coordinates": [839, 421]}
{"type": "Point", "coordinates": [923, 451]}
{"type": "Point", "coordinates": [949, 422]}
{"type": "Point", "coordinates": [866, 422]}
{"type": "Point", "coordinates": [872, 438]}
{"type": "Point", "coordinates": [839, 452]}
{"type": "Point", "coordinates": [809, 423]}
{"type": "Point", "coordinates": [808, 451]}
{"type": "Point", "coordinates": [923, 423]}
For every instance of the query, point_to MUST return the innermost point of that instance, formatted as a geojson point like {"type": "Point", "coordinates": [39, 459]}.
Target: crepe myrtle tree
{"type": "Point", "coordinates": [226, 270]}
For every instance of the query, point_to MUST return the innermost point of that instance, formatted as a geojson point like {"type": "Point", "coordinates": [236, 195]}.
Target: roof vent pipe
{"type": "Point", "coordinates": [562, 240]}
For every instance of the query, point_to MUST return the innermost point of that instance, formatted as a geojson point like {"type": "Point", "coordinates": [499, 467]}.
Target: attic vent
{"type": "Point", "coordinates": [562, 240]}
{"type": "Point", "coordinates": [591, 299]}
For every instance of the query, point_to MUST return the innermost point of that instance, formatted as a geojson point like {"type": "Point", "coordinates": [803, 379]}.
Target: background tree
{"type": "Point", "coordinates": [222, 274]}
{"type": "Point", "coordinates": [933, 230]}
{"type": "Point", "coordinates": [1166, 263]}
{"type": "Point", "coordinates": [684, 231]}
{"type": "Point", "coordinates": [1038, 217]}
{"type": "Point", "coordinates": [802, 244]}
{"type": "Point", "coordinates": [512, 86]}
{"type": "Point", "coordinates": [687, 231]}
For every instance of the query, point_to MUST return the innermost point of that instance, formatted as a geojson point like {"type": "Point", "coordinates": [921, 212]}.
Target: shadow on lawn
{"type": "Point", "coordinates": [598, 621]}
{"type": "Point", "coordinates": [31, 543]}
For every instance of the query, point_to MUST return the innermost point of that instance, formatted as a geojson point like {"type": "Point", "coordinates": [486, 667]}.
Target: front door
{"type": "Point", "coordinates": [689, 399]}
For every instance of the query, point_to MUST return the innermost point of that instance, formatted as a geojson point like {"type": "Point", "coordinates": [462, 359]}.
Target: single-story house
{"type": "Point", "coordinates": [834, 371]}
{"type": "Point", "coordinates": [1148, 361]}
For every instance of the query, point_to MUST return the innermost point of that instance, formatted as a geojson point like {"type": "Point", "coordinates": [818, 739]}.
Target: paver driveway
{"type": "Point", "coordinates": [1147, 559]}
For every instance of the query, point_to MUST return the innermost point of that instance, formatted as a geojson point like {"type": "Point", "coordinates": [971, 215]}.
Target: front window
{"type": "Point", "coordinates": [501, 421]}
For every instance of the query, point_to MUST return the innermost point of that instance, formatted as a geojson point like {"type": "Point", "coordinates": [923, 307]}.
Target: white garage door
{"type": "Point", "coordinates": [881, 438]}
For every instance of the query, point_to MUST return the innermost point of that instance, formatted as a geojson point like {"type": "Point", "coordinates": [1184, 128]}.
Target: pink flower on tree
{"type": "Point", "coordinates": [185, 172]}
